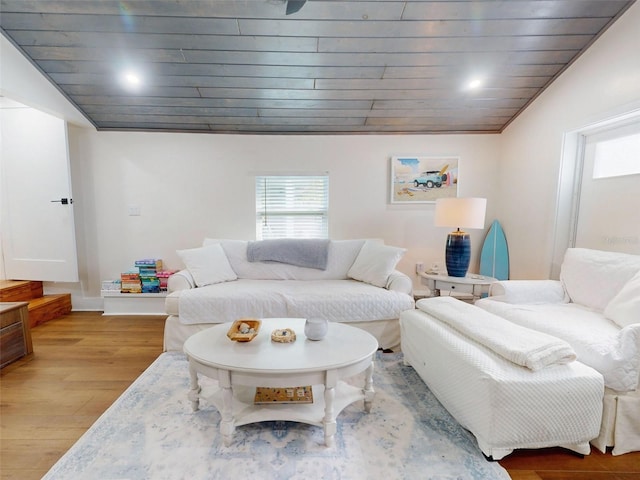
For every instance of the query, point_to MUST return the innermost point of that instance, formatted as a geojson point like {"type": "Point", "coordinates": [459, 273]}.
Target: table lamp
{"type": "Point", "coordinates": [459, 213]}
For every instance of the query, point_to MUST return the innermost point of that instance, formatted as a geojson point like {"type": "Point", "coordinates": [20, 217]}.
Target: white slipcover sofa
{"type": "Point", "coordinates": [358, 285]}
{"type": "Point", "coordinates": [512, 387]}
{"type": "Point", "coordinates": [594, 307]}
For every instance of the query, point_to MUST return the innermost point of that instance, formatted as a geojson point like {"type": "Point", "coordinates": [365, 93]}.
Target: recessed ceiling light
{"type": "Point", "coordinates": [475, 83]}
{"type": "Point", "coordinates": [131, 79]}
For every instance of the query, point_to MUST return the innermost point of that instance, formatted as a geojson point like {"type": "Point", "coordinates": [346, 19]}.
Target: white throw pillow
{"type": "Point", "coordinates": [624, 308]}
{"type": "Point", "coordinates": [375, 263]}
{"type": "Point", "coordinates": [207, 265]}
{"type": "Point", "coordinates": [593, 277]}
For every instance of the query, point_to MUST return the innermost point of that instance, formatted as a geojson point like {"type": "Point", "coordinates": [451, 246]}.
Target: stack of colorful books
{"type": "Point", "coordinates": [163, 276]}
{"type": "Point", "coordinates": [130, 282]}
{"type": "Point", "coordinates": [148, 269]}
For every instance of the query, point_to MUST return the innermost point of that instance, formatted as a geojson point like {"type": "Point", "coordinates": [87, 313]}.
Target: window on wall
{"type": "Point", "coordinates": [292, 206]}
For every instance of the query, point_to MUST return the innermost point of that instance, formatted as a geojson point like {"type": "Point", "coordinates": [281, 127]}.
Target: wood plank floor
{"type": "Point", "coordinates": [82, 362]}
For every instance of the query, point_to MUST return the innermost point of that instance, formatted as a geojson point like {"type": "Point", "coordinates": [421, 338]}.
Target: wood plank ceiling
{"type": "Point", "coordinates": [245, 66]}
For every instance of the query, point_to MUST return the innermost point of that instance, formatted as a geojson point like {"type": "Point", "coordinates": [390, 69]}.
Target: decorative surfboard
{"type": "Point", "coordinates": [494, 257]}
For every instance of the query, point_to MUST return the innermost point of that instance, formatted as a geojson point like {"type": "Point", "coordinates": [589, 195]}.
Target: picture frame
{"type": "Point", "coordinates": [423, 179]}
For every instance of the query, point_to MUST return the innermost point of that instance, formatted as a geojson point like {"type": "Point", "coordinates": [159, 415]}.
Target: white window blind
{"type": "Point", "coordinates": [292, 206]}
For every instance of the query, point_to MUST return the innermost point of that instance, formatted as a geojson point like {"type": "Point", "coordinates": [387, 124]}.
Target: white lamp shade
{"type": "Point", "coordinates": [460, 212]}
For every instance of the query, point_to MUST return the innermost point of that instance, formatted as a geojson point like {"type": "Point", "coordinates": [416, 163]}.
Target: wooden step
{"type": "Point", "coordinates": [42, 308]}
{"type": "Point", "coordinates": [48, 307]}
{"type": "Point", "coordinates": [19, 290]}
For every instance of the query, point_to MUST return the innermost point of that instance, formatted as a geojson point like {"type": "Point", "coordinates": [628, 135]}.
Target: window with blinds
{"type": "Point", "coordinates": [292, 206]}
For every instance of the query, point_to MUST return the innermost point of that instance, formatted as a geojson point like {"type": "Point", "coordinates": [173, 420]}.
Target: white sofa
{"type": "Point", "coordinates": [595, 307]}
{"type": "Point", "coordinates": [510, 386]}
{"type": "Point", "coordinates": [359, 285]}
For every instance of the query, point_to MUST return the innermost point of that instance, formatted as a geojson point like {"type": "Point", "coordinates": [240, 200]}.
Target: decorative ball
{"type": "Point", "coordinates": [316, 328]}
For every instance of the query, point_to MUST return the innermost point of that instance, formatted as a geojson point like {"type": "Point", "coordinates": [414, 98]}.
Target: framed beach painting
{"type": "Point", "coordinates": [423, 179]}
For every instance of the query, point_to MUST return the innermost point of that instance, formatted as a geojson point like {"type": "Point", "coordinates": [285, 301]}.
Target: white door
{"type": "Point", "coordinates": [38, 232]}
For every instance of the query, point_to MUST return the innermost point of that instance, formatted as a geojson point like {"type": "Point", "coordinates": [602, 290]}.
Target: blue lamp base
{"type": "Point", "coordinates": [458, 253]}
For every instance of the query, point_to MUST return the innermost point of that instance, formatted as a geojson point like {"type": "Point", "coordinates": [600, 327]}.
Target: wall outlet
{"type": "Point", "coordinates": [419, 267]}
{"type": "Point", "coordinates": [435, 267]}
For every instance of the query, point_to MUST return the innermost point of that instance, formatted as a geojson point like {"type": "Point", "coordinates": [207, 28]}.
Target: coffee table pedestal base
{"type": "Point", "coordinates": [237, 408]}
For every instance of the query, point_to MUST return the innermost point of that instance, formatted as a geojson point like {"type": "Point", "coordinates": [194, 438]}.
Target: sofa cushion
{"type": "Point", "coordinates": [375, 263]}
{"type": "Point", "coordinates": [599, 343]}
{"type": "Point", "coordinates": [532, 292]}
{"type": "Point", "coordinates": [335, 300]}
{"type": "Point", "coordinates": [207, 265]}
{"type": "Point", "coordinates": [341, 256]}
{"type": "Point", "coordinates": [624, 308]}
{"type": "Point", "coordinates": [593, 277]}
{"type": "Point", "coordinates": [523, 346]}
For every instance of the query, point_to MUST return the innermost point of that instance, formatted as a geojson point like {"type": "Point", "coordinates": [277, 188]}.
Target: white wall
{"type": "Point", "coordinates": [191, 186]}
{"type": "Point", "coordinates": [603, 82]}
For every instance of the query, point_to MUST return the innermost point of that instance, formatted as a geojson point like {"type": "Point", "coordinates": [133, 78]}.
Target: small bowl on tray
{"type": "Point", "coordinates": [244, 330]}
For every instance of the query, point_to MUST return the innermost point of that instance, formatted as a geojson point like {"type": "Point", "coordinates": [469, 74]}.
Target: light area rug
{"type": "Point", "coordinates": [151, 432]}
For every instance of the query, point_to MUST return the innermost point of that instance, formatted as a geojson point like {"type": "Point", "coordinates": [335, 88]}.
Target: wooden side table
{"type": "Point", "coordinates": [15, 335]}
{"type": "Point", "coordinates": [474, 285]}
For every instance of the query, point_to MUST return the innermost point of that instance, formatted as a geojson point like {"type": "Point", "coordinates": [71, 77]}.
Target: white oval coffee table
{"type": "Point", "coordinates": [240, 367]}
